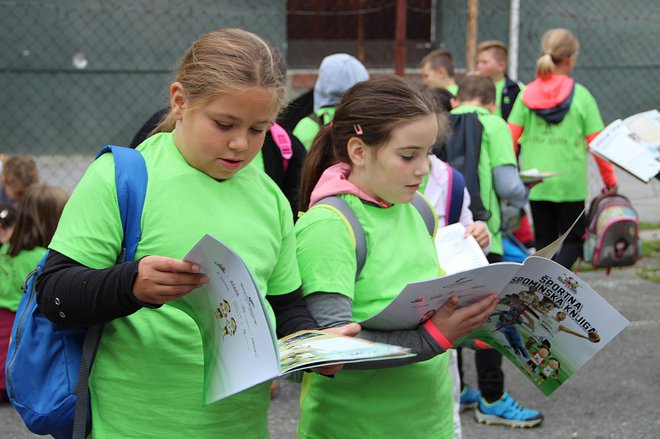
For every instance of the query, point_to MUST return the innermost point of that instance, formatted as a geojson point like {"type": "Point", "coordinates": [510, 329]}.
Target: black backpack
{"type": "Point", "coordinates": [462, 152]}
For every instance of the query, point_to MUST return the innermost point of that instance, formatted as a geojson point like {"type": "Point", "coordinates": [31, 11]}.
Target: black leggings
{"type": "Point", "coordinates": [551, 220]}
{"type": "Point", "coordinates": [490, 377]}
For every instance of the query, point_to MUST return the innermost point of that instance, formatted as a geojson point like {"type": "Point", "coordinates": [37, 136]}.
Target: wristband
{"type": "Point", "coordinates": [437, 335]}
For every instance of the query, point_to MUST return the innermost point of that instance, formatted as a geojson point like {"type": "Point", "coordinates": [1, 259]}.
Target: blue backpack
{"type": "Point", "coordinates": [48, 364]}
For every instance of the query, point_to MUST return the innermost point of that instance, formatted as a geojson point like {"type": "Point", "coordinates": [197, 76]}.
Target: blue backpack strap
{"type": "Point", "coordinates": [354, 226]}
{"type": "Point", "coordinates": [427, 213]}
{"type": "Point", "coordinates": [131, 182]}
{"type": "Point", "coordinates": [455, 195]}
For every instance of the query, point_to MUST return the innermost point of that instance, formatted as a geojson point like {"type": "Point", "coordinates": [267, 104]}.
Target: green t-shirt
{"type": "Point", "coordinates": [558, 147]}
{"type": "Point", "coordinates": [148, 373]}
{"type": "Point", "coordinates": [496, 150]}
{"type": "Point", "coordinates": [307, 129]}
{"type": "Point", "coordinates": [13, 271]}
{"type": "Point", "coordinates": [412, 401]}
{"type": "Point", "coordinates": [453, 89]}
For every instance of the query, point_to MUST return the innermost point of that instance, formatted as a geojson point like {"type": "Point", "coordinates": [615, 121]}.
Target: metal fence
{"type": "Point", "coordinates": [79, 74]}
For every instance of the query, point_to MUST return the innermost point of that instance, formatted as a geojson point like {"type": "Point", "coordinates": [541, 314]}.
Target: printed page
{"type": "Point", "coordinates": [308, 349]}
{"type": "Point", "coordinates": [240, 349]}
{"type": "Point", "coordinates": [626, 149]}
{"type": "Point", "coordinates": [646, 127]}
{"type": "Point", "coordinates": [548, 323]}
{"type": "Point", "coordinates": [418, 301]}
{"type": "Point", "coordinates": [456, 253]}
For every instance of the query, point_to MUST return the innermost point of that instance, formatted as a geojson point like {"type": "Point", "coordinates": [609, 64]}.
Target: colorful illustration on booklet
{"type": "Point", "coordinates": [569, 282]}
{"type": "Point", "coordinates": [527, 323]}
{"type": "Point", "coordinates": [223, 312]}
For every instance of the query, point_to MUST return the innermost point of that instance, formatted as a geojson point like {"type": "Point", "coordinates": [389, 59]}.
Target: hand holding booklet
{"type": "Point", "coordinates": [240, 345]}
{"type": "Point", "coordinates": [548, 321]}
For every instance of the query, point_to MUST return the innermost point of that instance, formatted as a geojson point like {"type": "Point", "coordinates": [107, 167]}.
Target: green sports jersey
{"type": "Point", "coordinates": [412, 401]}
{"type": "Point", "coordinates": [13, 271]}
{"type": "Point", "coordinates": [307, 129]}
{"type": "Point", "coordinates": [496, 150]}
{"type": "Point", "coordinates": [558, 147]}
{"type": "Point", "coordinates": [148, 375]}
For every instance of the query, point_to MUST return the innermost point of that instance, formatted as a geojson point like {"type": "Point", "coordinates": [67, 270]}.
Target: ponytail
{"type": "Point", "coordinates": [545, 66]}
{"type": "Point", "coordinates": [321, 156]}
{"type": "Point", "coordinates": [166, 125]}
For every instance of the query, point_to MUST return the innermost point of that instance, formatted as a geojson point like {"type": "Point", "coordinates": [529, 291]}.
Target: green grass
{"type": "Point", "coordinates": [650, 272]}
{"type": "Point", "coordinates": [651, 249]}
{"type": "Point", "coordinates": [648, 225]}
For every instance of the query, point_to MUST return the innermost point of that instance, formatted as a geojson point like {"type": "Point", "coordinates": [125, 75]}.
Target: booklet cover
{"type": "Point", "coordinates": [239, 340]}
{"type": "Point", "coordinates": [632, 144]}
{"type": "Point", "coordinates": [548, 322]}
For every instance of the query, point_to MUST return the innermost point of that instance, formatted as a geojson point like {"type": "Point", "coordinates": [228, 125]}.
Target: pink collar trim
{"type": "Point", "coordinates": [334, 181]}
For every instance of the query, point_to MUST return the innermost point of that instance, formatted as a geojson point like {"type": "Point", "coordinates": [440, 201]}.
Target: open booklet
{"type": "Point", "coordinates": [239, 341]}
{"type": "Point", "coordinates": [633, 144]}
{"type": "Point", "coordinates": [533, 175]}
{"type": "Point", "coordinates": [548, 321]}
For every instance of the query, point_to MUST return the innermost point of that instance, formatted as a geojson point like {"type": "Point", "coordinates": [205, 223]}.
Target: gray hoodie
{"type": "Point", "coordinates": [337, 73]}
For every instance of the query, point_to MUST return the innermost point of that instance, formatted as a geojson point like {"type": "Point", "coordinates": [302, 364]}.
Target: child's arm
{"type": "Point", "coordinates": [291, 313]}
{"type": "Point", "coordinates": [427, 340]}
{"type": "Point", "coordinates": [509, 186]}
{"type": "Point", "coordinates": [73, 295]}
{"type": "Point", "coordinates": [605, 168]}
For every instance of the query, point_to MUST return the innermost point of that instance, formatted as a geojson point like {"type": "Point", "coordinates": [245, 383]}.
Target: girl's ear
{"type": "Point", "coordinates": [357, 151]}
{"type": "Point", "coordinates": [177, 100]}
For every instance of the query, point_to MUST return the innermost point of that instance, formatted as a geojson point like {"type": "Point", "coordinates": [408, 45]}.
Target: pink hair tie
{"type": "Point", "coordinates": [358, 129]}
{"type": "Point", "coordinates": [331, 124]}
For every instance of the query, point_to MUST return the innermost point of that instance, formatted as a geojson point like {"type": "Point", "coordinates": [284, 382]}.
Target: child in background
{"type": "Point", "coordinates": [337, 73]}
{"type": "Point", "coordinates": [7, 219]}
{"type": "Point", "coordinates": [492, 60]}
{"type": "Point", "coordinates": [18, 173]}
{"type": "Point", "coordinates": [147, 378]}
{"type": "Point", "coordinates": [374, 156]}
{"type": "Point", "coordinates": [438, 71]}
{"type": "Point", "coordinates": [559, 118]}
{"type": "Point", "coordinates": [497, 176]}
{"type": "Point", "coordinates": [437, 188]}
{"type": "Point", "coordinates": [40, 210]}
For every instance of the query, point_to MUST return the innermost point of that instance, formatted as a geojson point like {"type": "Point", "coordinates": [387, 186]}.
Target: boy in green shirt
{"type": "Point", "coordinates": [497, 179]}
{"type": "Point", "coordinates": [438, 71]}
{"type": "Point", "coordinates": [492, 60]}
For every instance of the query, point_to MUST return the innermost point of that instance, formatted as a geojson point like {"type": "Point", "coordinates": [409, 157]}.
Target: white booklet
{"type": "Point", "coordinates": [632, 144]}
{"type": "Point", "coordinates": [239, 340]}
{"type": "Point", "coordinates": [455, 252]}
{"type": "Point", "coordinates": [548, 322]}
{"type": "Point", "coordinates": [533, 175]}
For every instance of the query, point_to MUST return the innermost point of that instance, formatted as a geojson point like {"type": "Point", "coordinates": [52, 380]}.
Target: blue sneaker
{"type": "Point", "coordinates": [469, 398]}
{"type": "Point", "coordinates": [506, 411]}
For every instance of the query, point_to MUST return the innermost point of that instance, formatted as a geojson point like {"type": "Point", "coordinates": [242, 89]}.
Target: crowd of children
{"type": "Point", "coordinates": [369, 144]}
{"type": "Point", "coordinates": [28, 219]}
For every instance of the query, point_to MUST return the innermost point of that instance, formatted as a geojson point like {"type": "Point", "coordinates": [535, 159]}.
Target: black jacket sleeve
{"type": "Point", "coordinates": [291, 313]}
{"type": "Point", "coordinates": [71, 294]}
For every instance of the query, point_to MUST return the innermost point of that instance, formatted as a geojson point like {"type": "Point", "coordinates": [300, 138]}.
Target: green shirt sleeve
{"type": "Point", "coordinates": [517, 116]}
{"type": "Point", "coordinates": [90, 230]}
{"type": "Point", "coordinates": [285, 277]}
{"type": "Point", "coordinates": [592, 122]}
{"type": "Point", "coordinates": [326, 254]}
